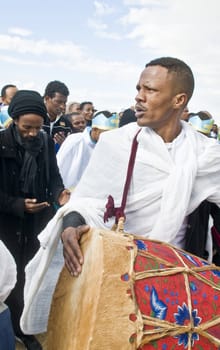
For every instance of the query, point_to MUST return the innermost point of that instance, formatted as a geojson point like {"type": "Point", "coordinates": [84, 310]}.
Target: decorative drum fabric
{"type": "Point", "coordinates": [136, 294]}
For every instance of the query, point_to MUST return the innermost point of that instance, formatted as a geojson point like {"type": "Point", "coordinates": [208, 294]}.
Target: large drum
{"type": "Point", "coordinates": [136, 294]}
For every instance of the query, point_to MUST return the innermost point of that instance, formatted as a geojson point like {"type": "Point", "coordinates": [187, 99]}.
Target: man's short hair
{"type": "Point", "coordinates": [54, 87]}
{"type": "Point", "coordinates": [184, 76]}
{"type": "Point", "coordinates": [3, 90]}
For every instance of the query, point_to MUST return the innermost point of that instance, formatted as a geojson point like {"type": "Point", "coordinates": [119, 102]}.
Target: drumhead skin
{"type": "Point", "coordinates": [136, 293]}
{"type": "Point", "coordinates": [92, 311]}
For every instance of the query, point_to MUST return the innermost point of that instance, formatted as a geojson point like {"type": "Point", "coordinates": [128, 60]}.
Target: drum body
{"type": "Point", "coordinates": [135, 294]}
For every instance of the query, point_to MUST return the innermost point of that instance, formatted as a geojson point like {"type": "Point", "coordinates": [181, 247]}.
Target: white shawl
{"type": "Point", "coordinates": [8, 273]}
{"type": "Point", "coordinates": [73, 157]}
{"type": "Point", "coordinates": [165, 188]}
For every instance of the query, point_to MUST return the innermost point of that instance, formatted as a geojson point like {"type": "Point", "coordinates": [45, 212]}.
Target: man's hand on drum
{"type": "Point", "coordinates": [71, 248]}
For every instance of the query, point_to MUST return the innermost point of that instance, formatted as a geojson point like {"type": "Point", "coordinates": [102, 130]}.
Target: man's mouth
{"type": "Point", "coordinates": [139, 111]}
{"type": "Point", "coordinates": [139, 108]}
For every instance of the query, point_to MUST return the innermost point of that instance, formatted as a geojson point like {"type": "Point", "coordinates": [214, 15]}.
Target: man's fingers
{"type": "Point", "coordinates": [72, 264]}
{"type": "Point", "coordinates": [32, 207]}
{"type": "Point", "coordinates": [74, 251]}
{"type": "Point", "coordinates": [73, 257]}
{"type": "Point", "coordinates": [71, 248]}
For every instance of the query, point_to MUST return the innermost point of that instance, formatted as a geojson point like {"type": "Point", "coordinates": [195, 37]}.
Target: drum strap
{"type": "Point", "coordinates": [110, 206]}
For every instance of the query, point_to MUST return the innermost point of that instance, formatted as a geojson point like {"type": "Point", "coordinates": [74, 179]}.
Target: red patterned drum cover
{"type": "Point", "coordinates": [136, 294]}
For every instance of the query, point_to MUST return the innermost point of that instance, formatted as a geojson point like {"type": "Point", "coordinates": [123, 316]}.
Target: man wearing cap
{"type": "Point", "coordinates": [30, 183]}
{"type": "Point", "coordinates": [76, 150]}
{"type": "Point", "coordinates": [201, 121]}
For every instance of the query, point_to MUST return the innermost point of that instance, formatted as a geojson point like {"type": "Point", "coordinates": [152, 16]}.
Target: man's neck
{"type": "Point", "coordinates": [53, 118]}
{"type": "Point", "coordinates": [169, 132]}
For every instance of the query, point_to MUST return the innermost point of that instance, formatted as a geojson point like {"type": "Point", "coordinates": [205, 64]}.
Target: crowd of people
{"type": "Point", "coordinates": [72, 160]}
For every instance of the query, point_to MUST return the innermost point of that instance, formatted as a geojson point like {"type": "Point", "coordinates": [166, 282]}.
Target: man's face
{"type": "Point", "coordinates": [29, 125]}
{"type": "Point", "coordinates": [10, 92]}
{"type": "Point", "coordinates": [78, 122]}
{"type": "Point", "coordinates": [155, 97]}
{"type": "Point", "coordinates": [215, 128]}
{"type": "Point", "coordinates": [55, 105]}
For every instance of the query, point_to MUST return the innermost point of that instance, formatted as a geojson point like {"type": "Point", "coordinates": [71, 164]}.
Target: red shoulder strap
{"type": "Point", "coordinates": [110, 207]}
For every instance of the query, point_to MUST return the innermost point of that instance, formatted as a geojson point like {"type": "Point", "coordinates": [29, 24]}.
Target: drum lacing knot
{"type": "Point", "coordinates": [112, 211]}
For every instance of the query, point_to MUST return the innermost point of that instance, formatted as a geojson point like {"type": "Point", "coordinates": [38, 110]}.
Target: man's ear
{"type": "Point", "coordinates": [179, 100]}
{"type": "Point", "coordinates": [46, 98]}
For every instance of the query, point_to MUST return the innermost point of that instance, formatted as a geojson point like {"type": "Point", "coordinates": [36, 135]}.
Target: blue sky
{"type": "Point", "coordinates": [98, 48]}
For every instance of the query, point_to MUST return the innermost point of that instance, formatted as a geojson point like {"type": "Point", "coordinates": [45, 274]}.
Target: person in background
{"type": "Point", "coordinates": [206, 218]}
{"type": "Point", "coordinates": [30, 184]}
{"type": "Point", "coordinates": [214, 131]}
{"type": "Point", "coordinates": [185, 114]}
{"type": "Point", "coordinates": [7, 92]}
{"type": "Point", "coordinates": [73, 107]}
{"type": "Point", "coordinates": [55, 98]}
{"type": "Point", "coordinates": [201, 121]}
{"type": "Point", "coordinates": [75, 152]}
{"type": "Point", "coordinates": [128, 116]}
{"type": "Point", "coordinates": [77, 121]}
{"type": "Point", "coordinates": [120, 113]}
{"type": "Point", "coordinates": [87, 110]}
{"type": "Point", "coordinates": [7, 283]}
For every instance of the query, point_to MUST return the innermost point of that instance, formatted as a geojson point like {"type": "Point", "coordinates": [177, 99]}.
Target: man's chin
{"type": "Point", "coordinates": [27, 138]}
{"type": "Point", "coordinates": [141, 122]}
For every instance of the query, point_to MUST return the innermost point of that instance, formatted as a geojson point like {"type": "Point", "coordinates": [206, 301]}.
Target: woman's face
{"type": "Point", "coordinates": [88, 111]}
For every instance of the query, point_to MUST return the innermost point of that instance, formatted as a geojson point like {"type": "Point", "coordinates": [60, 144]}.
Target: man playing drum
{"type": "Point", "coordinates": [175, 169]}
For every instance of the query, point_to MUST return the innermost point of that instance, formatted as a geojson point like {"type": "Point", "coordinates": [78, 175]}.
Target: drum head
{"type": "Point", "coordinates": [92, 311]}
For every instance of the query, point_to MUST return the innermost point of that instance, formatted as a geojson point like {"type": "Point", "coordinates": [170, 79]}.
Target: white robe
{"type": "Point", "coordinates": [166, 186]}
{"type": "Point", "coordinates": [8, 273]}
{"type": "Point", "coordinates": [73, 157]}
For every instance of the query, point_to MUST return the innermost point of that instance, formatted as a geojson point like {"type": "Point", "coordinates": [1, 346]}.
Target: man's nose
{"type": "Point", "coordinates": [140, 96]}
{"type": "Point", "coordinates": [33, 133]}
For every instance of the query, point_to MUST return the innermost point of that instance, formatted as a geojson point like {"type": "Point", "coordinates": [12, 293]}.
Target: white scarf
{"type": "Point", "coordinates": [73, 157]}
{"type": "Point", "coordinates": [8, 272]}
{"type": "Point", "coordinates": [162, 193]}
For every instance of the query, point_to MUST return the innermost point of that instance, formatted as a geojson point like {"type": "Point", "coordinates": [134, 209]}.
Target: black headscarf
{"type": "Point", "coordinates": [28, 102]}
{"type": "Point", "coordinates": [25, 102]}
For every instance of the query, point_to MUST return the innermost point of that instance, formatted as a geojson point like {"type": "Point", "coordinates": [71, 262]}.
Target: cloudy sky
{"type": "Point", "coordinates": [98, 48]}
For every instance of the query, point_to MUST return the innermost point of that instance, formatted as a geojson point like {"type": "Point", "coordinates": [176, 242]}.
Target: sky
{"type": "Point", "coordinates": [99, 48]}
